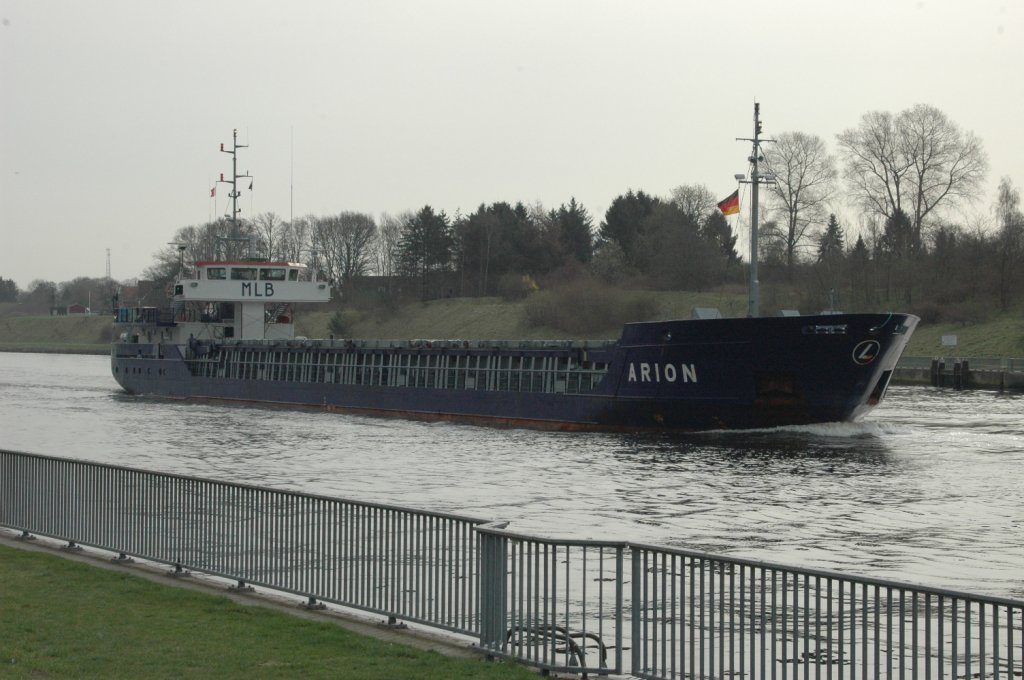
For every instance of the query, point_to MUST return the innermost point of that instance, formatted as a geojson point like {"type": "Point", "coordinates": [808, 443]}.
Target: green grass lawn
{"type": "Point", "coordinates": [63, 619]}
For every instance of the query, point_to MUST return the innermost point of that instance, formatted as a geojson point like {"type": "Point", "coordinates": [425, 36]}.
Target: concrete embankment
{"type": "Point", "coordinates": [960, 374]}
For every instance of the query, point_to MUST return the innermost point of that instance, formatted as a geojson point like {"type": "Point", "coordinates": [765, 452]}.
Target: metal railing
{"type": "Point", "coordinates": [701, 615]}
{"type": "Point", "coordinates": [563, 605]}
{"type": "Point", "coordinates": [555, 604]}
{"type": "Point", "coordinates": [409, 564]}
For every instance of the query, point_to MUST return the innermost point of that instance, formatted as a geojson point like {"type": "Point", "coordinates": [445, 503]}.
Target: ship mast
{"type": "Point", "coordinates": [235, 236]}
{"type": "Point", "coordinates": [756, 179]}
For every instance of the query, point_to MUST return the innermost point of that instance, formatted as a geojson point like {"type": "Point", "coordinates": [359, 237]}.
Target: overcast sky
{"type": "Point", "coordinates": [113, 111]}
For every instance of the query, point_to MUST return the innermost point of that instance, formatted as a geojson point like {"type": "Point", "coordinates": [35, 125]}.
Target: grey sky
{"type": "Point", "coordinates": [113, 111]}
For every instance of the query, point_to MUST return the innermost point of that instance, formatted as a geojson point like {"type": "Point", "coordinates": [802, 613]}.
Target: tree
{"type": "Point", "coordinates": [357, 238]}
{"type": "Point", "coordinates": [896, 247]}
{"type": "Point", "coordinates": [8, 290]}
{"type": "Point", "coordinates": [426, 245]}
{"type": "Point", "coordinates": [1009, 241]}
{"type": "Point", "coordinates": [268, 231]}
{"type": "Point", "coordinates": [830, 257]}
{"type": "Point", "coordinates": [501, 239]}
{"type": "Point", "coordinates": [695, 201]}
{"type": "Point", "coordinates": [860, 271]}
{"type": "Point", "coordinates": [574, 230]}
{"type": "Point", "coordinates": [623, 222]}
{"type": "Point", "coordinates": [914, 162]}
{"type": "Point", "coordinates": [673, 253]}
{"type": "Point", "coordinates": [805, 177]}
{"type": "Point", "coordinates": [293, 241]}
{"type": "Point", "coordinates": [40, 296]}
{"type": "Point", "coordinates": [344, 244]}
{"type": "Point", "coordinates": [85, 291]}
{"type": "Point", "coordinates": [830, 243]}
{"type": "Point", "coordinates": [718, 233]}
{"type": "Point", "coordinates": [389, 235]}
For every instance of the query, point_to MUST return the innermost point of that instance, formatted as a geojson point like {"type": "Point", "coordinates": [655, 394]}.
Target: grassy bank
{"type": "Point", "coordinates": [79, 333]}
{"type": "Point", "coordinates": [64, 619]}
{"type": "Point", "coordinates": [493, 319]}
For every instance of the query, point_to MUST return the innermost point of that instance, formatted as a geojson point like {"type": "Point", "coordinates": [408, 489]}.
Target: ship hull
{"type": "Point", "coordinates": [660, 376]}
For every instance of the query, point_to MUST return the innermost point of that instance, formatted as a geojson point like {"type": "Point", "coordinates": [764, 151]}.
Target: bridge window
{"type": "Point", "coordinates": [216, 273]}
{"type": "Point", "coordinates": [243, 273]}
{"type": "Point", "coordinates": [272, 274]}
{"type": "Point", "coordinates": [293, 274]}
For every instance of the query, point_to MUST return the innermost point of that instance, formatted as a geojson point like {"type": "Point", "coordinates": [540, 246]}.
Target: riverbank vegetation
{"type": "Point", "coordinates": [590, 314]}
{"type": "Point", "coordinates": [893, 219]}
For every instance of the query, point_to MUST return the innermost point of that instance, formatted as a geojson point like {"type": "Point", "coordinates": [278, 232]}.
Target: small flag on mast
{"type": "Point", "coordinates": [213, 191]}
{"type": "Point", "coordinates": [730, 205]}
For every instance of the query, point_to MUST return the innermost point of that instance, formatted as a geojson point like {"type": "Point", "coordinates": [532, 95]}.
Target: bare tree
{"type": "Point", "coordinates": [805, 176]}
{"type": "Point", "coordinates": [389, 234]}
{"type": "Point", "coordinates": [269, 231]}
{"type": "Point", "coordinates": [946, 164]}
{"type": "Point", "coordinates": [345, 244]}
{"type": "Point", "coordinates": [695, 201]}
{"type": "Point", "coordinates": [293, 243]}
{"type": "Point", "coordinates": [915, 162]}
{"type": "Point", "coordinates": [1010, 240]}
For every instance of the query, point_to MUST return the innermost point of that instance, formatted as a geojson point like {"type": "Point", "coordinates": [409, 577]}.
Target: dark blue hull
{"type": "Point", "coordinates": [675, 375]}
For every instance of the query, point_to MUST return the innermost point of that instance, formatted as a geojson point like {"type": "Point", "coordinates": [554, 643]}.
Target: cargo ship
{"type": "Point", "coordinates": [228, 334]}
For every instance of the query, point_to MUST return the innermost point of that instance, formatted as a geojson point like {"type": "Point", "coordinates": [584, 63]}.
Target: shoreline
{"type": "Point", "coordinates": [26, 349]}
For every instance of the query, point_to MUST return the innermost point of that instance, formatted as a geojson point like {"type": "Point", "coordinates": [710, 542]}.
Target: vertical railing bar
{"type": "Point", "coordinates": [953, 625]}
{"type": "Point", "coordinates": [775, 620]}
{"type": "Point", "coordinates": [853, 630]}
{"type": "Point", "coordinates": [785, 624]}
{"type": "Point", "coordinates": [902, 625]}
{"type": "Point", "coordinates": [732, 620]}
{"type": "Point", "coordinates": [995, 640]}
{"type": "Point", "coordinates": [762, 618]}
{"type": "Point", "coordinates": [878, 634]}
{"type": "Point", "coordinates": [721, 617]}
{"type": "Point", "coordinates": [981, 639]}
{"type": "Point", "coordinates": [645, 603]}
{"type": "Point", "coordinates": [753, 620]}
{"type": "Point", "coordinates": [842, 629]}
{"type": "Point", "coordinates": [710, 653]}
{"type": "Point", "coordinates": [967, 638]}
{"type": "Point", "coordinates": [928, 636]}
{"type": "Point", "coordinates": [568, 583]}
{"type": "Point", "coordinates": [672, 667]}
{"type": "Point", "coordinates": [703, 608]}
{"type": "Point", "coordinates": [913, 635]}
{"type": "Point", "coordinates": [693, 603]}
{"type": "Point", "coordinates": [828, 626]}
{"type": "Point", "coordinates": [807, 623]}
{"type": "Point", "coordinates": [942, 638]}
{"type": "Point", "coordinates": [686, 622]}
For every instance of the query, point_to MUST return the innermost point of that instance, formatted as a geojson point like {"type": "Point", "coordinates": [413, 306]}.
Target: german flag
{"type": "Point", "coordinates": [730, 205]}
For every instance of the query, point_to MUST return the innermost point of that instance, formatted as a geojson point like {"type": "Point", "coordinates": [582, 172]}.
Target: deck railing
{"type": "Point", "coordinates": [565, 605]}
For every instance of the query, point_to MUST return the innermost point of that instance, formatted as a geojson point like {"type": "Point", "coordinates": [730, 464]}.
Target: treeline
{"type": "Point", "coordinates": [681, 241]}
{"type": "Point", "coordinates": [906, 178]}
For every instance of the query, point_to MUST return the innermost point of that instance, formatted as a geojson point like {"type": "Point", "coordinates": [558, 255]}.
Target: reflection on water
{"type": "Point", "coordinates": [926, 490]}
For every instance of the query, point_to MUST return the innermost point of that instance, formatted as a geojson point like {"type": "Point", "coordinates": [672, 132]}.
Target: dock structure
{"type": "Point", "coordinates": [961, 373]}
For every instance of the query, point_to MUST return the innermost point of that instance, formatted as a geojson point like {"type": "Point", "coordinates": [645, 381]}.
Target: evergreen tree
{"type": "Point", "coordinates": [426, 245]}
{"type": "Point", "coordinates": [575, 230]}
{"type": "Point", "coordinates": [717, 232]}
{"type": "Point", "coordinates": [624, 222]}
{"type": "Point", "coordinates": [8, 290]}
{"type": "Point", "coordinates": [830, 243]}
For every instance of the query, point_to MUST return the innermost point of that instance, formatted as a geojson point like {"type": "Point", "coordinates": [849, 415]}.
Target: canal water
{"type": "Point", "coordinates": [928, 489]}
